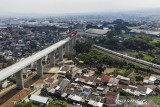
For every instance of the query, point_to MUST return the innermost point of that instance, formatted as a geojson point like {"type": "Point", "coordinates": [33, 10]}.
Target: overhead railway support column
{"type": "Point", "coordinates": [39, 68]}
{"type": "Point", "coordinates": [70, 46]}
{"type": "Point", "coordinates": [60, 49]}
{"type": "Point", "coordinates": [74, 41]}
{"type": "Point", "coordinates": [19, 80]}
{"type": "Point", "coordinates": [67, 49]}
{"type": "Point", "coordinates": [52, 59]}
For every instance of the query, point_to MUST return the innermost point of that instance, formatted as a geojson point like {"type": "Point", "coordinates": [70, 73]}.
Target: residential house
{"type": "Point", "coordinates": [64, 83]}
{"type": "Point", "coordinates": [145, 82]}
{"type": "Point", "coordinates": [157, 90]}
{"type": "Point", "coordinates": [113, 81]}
{"type": "Point", "coordinates": [48, 82]}
{"type": "Point", "coordinates": [39, 100]}
{"type": "Point", "coordinates": [111, 99]}
{"type": "Point", "coordinates": [105, 79]}
{"type": "Point", "coordinates": [4, 83]}
{"type": "Point", "coordinates": [1, 66]}
{"type": "Point", "coordinates": [68, 62]}
{"type": "Point", "coordinates": [1, 53]}
{"type": "Point", "coordinates": [63, 70]}
{"type": "Point", "coordinates": [142, 91]}
{"type": "Point", "coordinates": [122, 86]}
{"type": "Point", "coordinates": [152, 79]}
{"type": "Point", "coordinates": [131, 89]}
{"type": "Point", "coordinates": [123, 80]}
{"type": "Point", "coordinates": [71, 74]}
{"type": "Point", "coordinates": [100, 90]}
{"type": "Point", "coordinates": [148, 103]}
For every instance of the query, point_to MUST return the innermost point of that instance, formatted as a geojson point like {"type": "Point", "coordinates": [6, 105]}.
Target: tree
{"type": "Point", "coordinates": [139, 78]}
{"type": "Point", "coordinates": [28, 104]}
{"type": "Point", "coordinates": [44, 92]}
{"type": "Point", "coordinates": [123, 93]}
{"type": "Point", "coordinates": [92, 26]}
{"type": "Point", "coordinates": [57, 103]}
{"type": "Point", "coordinates": [111, 33]}
{"type": "Point", "coordinates": [82, 47]}
{"type": "Point", "coordinates": [100, 68]}
{"type": "Point", "coordinates": [93, 57]}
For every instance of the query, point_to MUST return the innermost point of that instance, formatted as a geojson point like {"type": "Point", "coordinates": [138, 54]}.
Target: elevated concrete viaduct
{"type": "Point", "coordinates": [16, 69]}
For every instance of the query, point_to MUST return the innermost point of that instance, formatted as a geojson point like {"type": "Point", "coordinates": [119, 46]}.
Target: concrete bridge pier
{"type": "Point", "coordinates": [67, 49]}
{"type": "Point", "coordinates": [74, 41]}
{"type": "Point", "coordinates": [70, 46]}
{"type": "Point", "coordinates": [39, 68]}
{"type": "Point", "coordinates": [19, 80]}
{"type": "Point", "coordinates": [52, 59]}
{"type": "Point", "coordinates": [60, 49]}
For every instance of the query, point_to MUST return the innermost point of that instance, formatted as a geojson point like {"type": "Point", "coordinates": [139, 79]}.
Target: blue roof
{"type": "Point", "coordinates": [106, 26]}
{"type": "Point", "coordinates": [85, 92]}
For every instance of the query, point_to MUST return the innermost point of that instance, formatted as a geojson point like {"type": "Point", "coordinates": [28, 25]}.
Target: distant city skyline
{"type": "Point", "coordinates": [74, 6]}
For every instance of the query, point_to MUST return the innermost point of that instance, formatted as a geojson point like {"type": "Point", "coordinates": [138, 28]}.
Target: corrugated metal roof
{"type": "Point", "coordinates": [97, 31]}
{"type": "Point", "coordinates": [39, 99]}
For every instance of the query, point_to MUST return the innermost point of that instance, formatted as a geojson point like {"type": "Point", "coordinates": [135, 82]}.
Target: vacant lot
{"type": "Point", "coordinates": [108, 70]}
{"type": "Point", "coordinates": [15, 95]}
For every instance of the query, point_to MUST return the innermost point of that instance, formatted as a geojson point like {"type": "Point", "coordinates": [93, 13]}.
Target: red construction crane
{"type": "Point", "coordinates": [74, 32]}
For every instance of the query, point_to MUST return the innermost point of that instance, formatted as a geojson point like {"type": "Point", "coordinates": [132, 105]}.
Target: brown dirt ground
{"type": "Point", "coordinates": [108, 70]}
{"type": "Point", "coordinates": [15, 95]}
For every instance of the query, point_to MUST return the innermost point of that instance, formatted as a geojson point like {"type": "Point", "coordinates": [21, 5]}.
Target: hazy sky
{"type": "Point", "coordinates": [74, 6]}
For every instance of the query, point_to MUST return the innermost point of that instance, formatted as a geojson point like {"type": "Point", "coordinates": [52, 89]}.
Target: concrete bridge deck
{"type": "Point", "coordinates": [5, 73]}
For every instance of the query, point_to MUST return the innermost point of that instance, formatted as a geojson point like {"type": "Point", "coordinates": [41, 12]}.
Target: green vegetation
{"type": "Point", "coordinates": [28, 104]}
{"type": "Point", "coordinates": [30, 74]}
{"type": "Point", "coordinates": [56, 103]}
{"type": "Point", "coordinates": [147, 57]}
{"type": "Point", "coordinates": [123, 93]}
{"type": "Point", "coordinates": [142, 56]}
{"type": "Point", "coordinates": [155, 99]}
{"type": "Point", "coordinates": [100, 59]}
{"type": "Point", "coordinates": [155, 41]}
{"type": "Point", "coordinates": [92, 26]}
{"type": "Point", "coordinates": [6, 62]}
{"type": "Point", "coordinates": [1, 88]}
{"type": "Point", "coordinates": [121, 72]}
{"type": "Point", "coordinates": [145, 46]}
{"type": "Point", "coordinates": [119, 26]}
{"type": "Point", "coordinates": [44, 92]}
{"type": "Point", "coordinates": [81, 47]}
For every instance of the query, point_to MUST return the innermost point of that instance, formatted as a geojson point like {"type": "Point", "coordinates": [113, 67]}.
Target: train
{"type": "Point", "coordinates": [149, 64]}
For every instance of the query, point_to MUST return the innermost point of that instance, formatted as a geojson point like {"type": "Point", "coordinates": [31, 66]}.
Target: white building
{"type": "Point", "coordinates": [48, 82]}
{"type": "Point", "coordinates": [4, 83]}
{"type": "Point", "coordinates": [39, 100]}
{"type": "Point", "coordinates": [96, 32]}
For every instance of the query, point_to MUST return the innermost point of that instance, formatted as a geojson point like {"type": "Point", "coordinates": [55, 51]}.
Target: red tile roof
{"type": "Point", "coordinates": [122, 86]}
{"type": "Point", "coordinates": [49, 80]}
{"type": "Point", "coordinates": [158, 88]}
{"type": "Point", "coordinates": [105, 78]}
{"type": "Point", "coordinates": [1, 53]}
{"type": "Point", "coordinates": [142, 88]}
{"type": "Point", "coordinates": [82, 80]}
{"type": "Point", "coordinates": [1, 65]}
{"type": "Point", "coordinates": [65, 68]}
{"type": "Point", "coordinates": [111, 94]}
{"type": "Point", "coordinates": [150, 103]}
